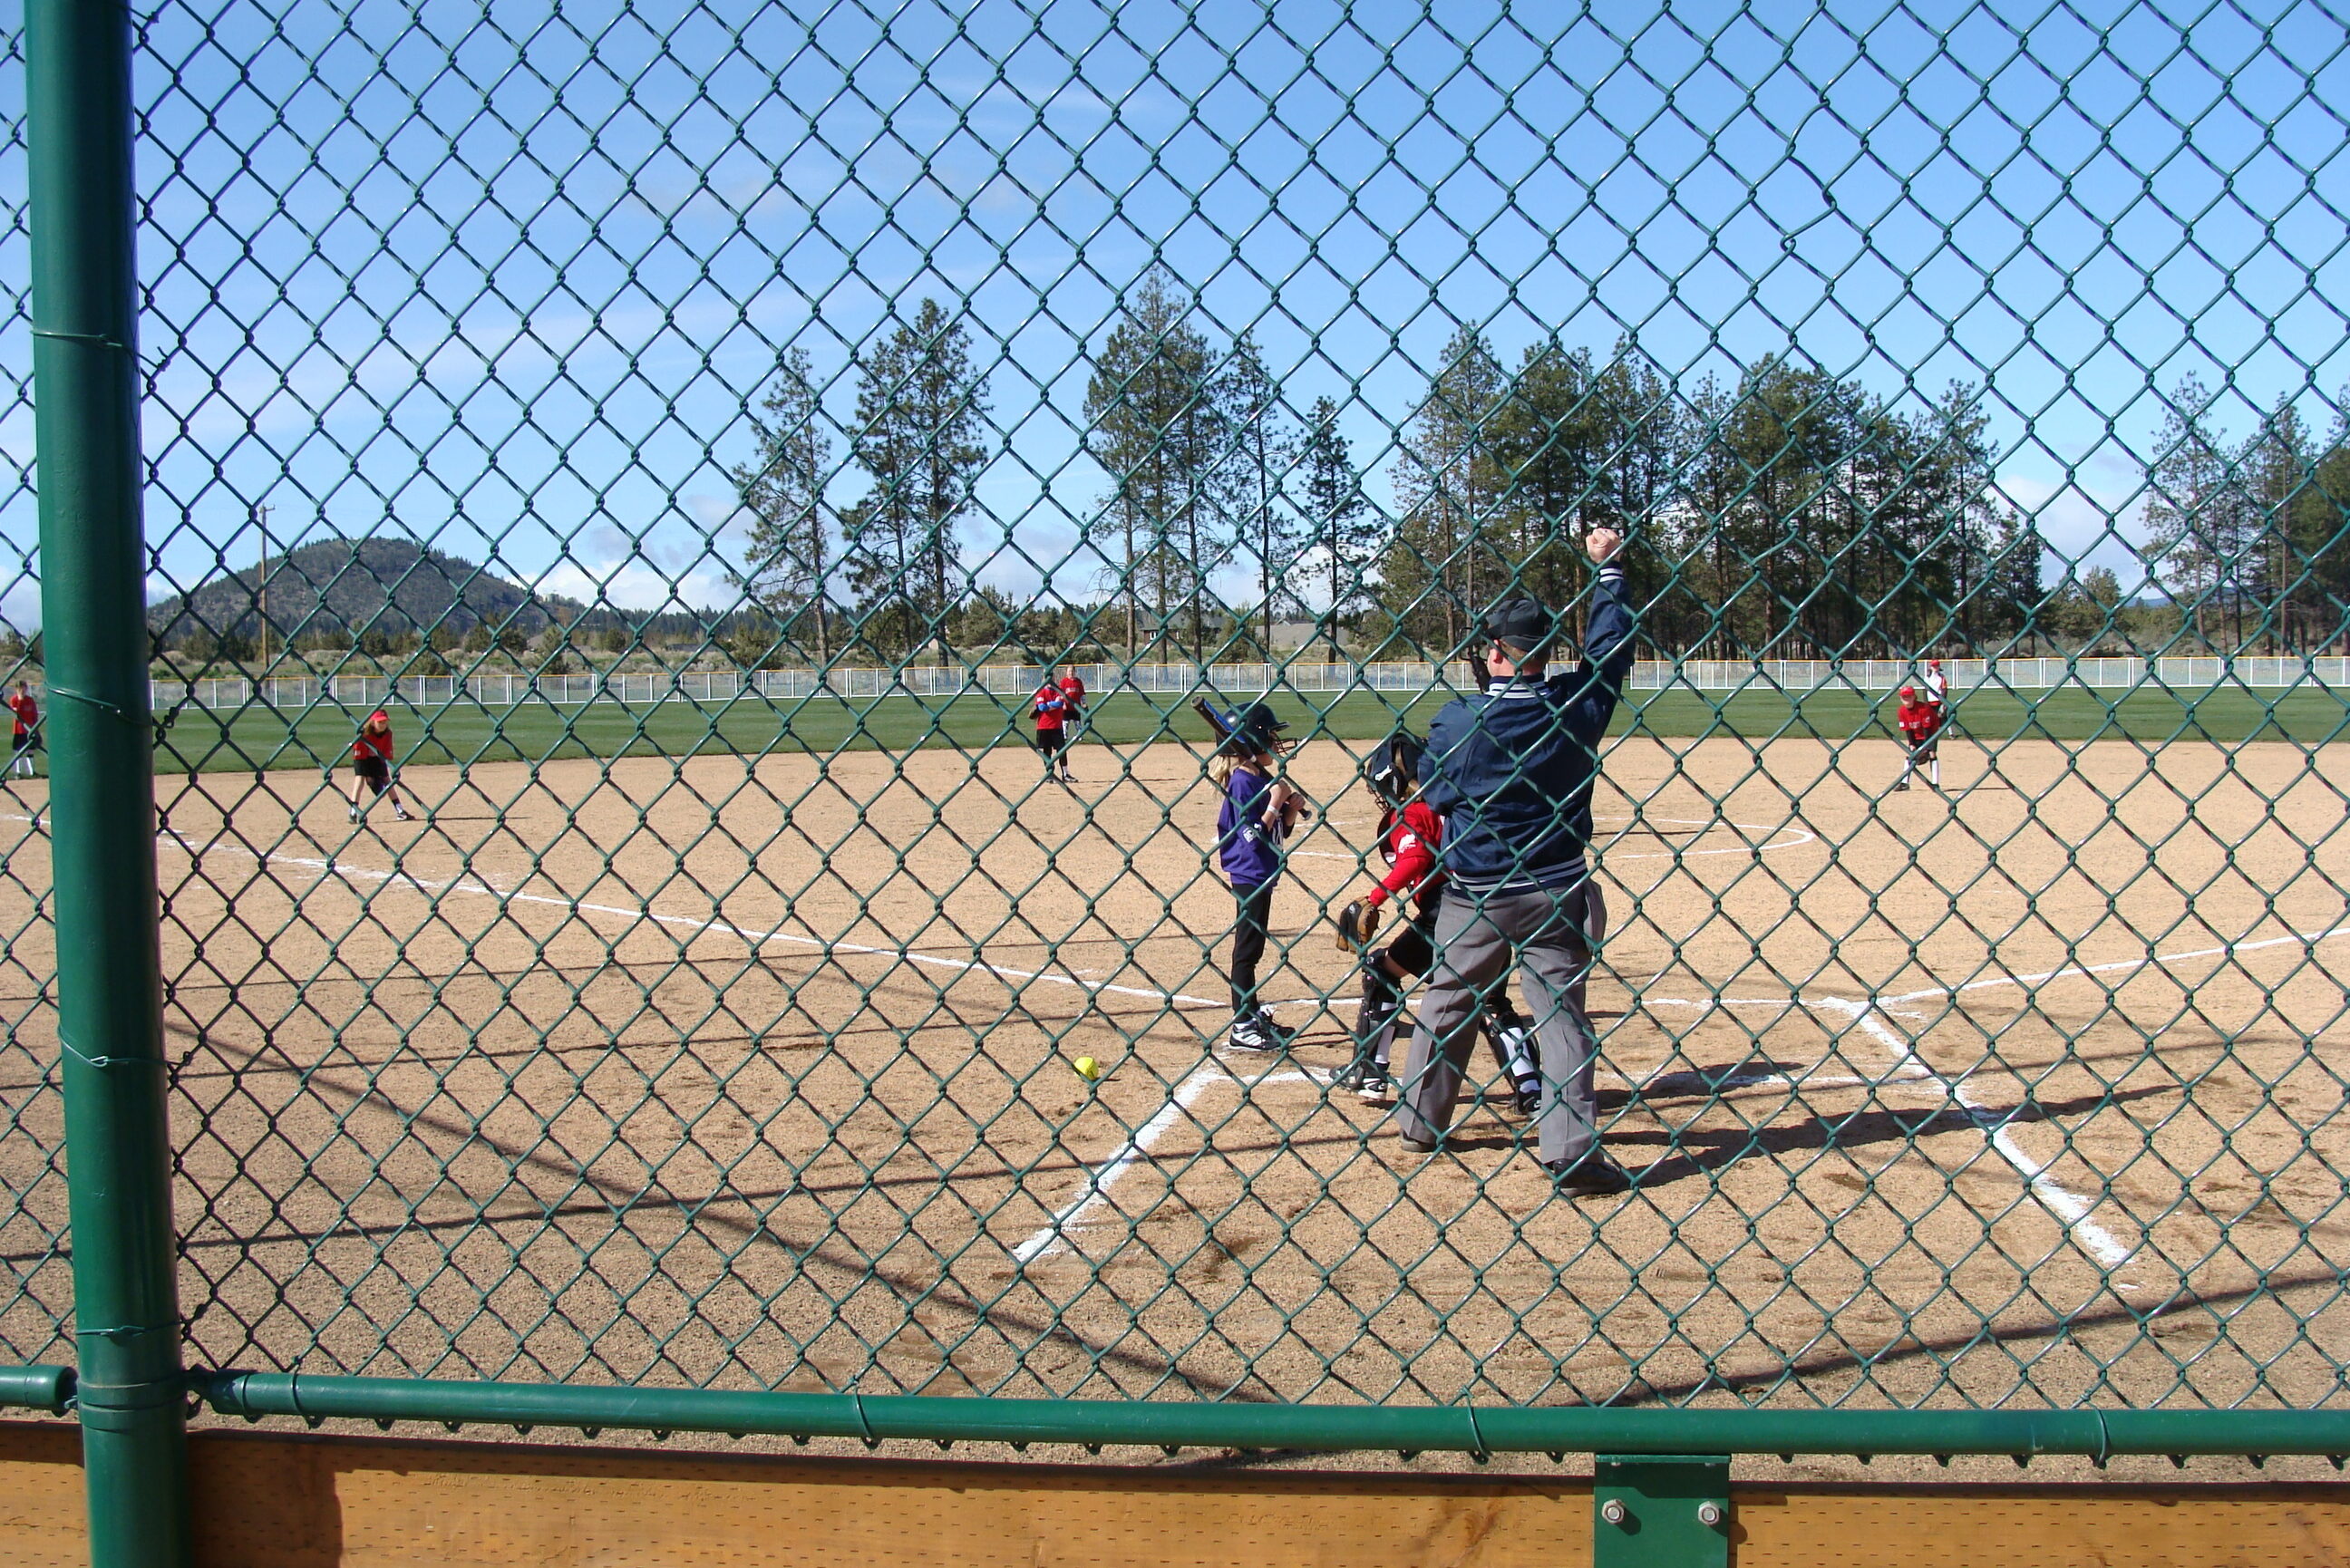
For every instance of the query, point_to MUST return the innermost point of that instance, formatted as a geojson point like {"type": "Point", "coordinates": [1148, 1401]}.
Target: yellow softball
{"type": "Point", "coordinates": [1087, 1067]}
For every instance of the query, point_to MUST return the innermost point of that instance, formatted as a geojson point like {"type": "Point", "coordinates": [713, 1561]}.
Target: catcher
{"type": "Point", "coordinates": [1410, 832]}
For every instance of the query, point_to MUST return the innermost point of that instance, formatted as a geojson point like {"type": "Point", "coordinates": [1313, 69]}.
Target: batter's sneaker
{"type": "Point", "coordinates": [1248, 1034]}
{"type": "Point", "coordinates": [1281, 1038]}
{"type": "Point", "coordinates": [402, 814]}
{"type": "Point", "coordinates": [355, 813]}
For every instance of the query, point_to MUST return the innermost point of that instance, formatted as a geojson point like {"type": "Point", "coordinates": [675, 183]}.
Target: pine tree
{"type": "Point", "coordinates": [2195, 514]}
{"type": "Point", "coordinates": [2286, 518]}
{"type": "Point", "coordinates": [922, 412]}
{"type": "Point", "coordinates": [1441, 567]}
{"type": "Point", "coordinates": [1338, 525]}
{"type": "Point", "coordinates": [1152, 423]}
{"type": "Point", "coordinates": [1261, 449]}
{"type": "Point", "coordinates": [788, 554]}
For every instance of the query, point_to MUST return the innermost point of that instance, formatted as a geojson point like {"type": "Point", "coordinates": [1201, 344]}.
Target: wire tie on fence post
{"type": "Point", "coordinates": [1477, 1451]}
{"type": "Point", "coordinates": [2105, 1447]}
{"type": "Point", "coordinates": [857, 1403]}
{"type": "Point", "coordinates": [111, 710]}
{"type": "Point", "coordinates": [102, 1062]}
{"type": "Point", "coordinates": [96, 339]}
{"type": "Point", "coordinates": [123, 1331]}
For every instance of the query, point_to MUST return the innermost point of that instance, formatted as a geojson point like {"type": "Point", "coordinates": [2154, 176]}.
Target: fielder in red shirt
{"type": "Point", "coordinates": [27, 729]}
{"type": "Point", "coordinates": [1409, 835]}
{"type": "Point", "coordinates": [371, 763]}
{"type": "Point", "coordinates": [1073, 729]}
{"type": "Point", "coordinates": [1051, 705]}
{"type": "Point", "coordinates": [1920, 721]}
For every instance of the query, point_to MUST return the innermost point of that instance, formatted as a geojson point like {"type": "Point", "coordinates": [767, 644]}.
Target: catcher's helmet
{"type": "Point", "coordinates": [1255, 728]}
{"type": "Point", "coordinates": [1394, 769]}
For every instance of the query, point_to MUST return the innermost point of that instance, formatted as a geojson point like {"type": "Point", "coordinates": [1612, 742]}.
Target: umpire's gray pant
{"type": "Point", "coordinates": [1475, 936]}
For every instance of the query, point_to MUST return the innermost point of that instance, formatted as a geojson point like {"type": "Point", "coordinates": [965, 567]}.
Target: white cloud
{"type": "Point", "coordinates": [2093, 525]}
{"type": "Point", "coordinates": [640, 585]}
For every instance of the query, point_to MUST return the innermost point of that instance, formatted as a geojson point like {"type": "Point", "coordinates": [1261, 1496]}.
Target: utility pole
{"type": "Point", "coordinates": [261, 577]}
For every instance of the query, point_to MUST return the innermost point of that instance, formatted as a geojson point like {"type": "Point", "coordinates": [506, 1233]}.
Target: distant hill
{"type": "Point", "coordinates": [393, 585]}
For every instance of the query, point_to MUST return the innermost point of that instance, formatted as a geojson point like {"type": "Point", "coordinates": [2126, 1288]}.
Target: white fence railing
{"type": "Point", "coordinates": [1016, 681]}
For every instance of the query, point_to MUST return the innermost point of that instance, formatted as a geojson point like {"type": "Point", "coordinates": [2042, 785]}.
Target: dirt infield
{"type": "Point", "coordinates": [757, 1073]}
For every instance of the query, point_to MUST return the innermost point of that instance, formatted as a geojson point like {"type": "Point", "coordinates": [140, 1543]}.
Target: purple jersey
{"type": "Point", "coordinates": [1243, 842]}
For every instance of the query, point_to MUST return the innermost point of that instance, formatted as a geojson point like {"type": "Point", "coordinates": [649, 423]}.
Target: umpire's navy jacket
{"type": "Point", "coordinates": [1506, 768]}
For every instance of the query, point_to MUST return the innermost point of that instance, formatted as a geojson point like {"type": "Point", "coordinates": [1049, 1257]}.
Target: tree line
{"type": "Point", "coordinates": [1204, 469]}
{"type": "Point", "coordinates": [2248, 536]}
{"type": "Point", "coordinates": [1784, 512]}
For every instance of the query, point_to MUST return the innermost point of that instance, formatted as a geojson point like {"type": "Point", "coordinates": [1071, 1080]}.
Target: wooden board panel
{"type": "Point", "coordinates": [43, 1521]}
{"type": "Point", "coordinates": [278, 1500]}
{"type": "Point", "coordinates": [391, 1505]}
{"type": "Point", "coordinates": [2041, 1526]}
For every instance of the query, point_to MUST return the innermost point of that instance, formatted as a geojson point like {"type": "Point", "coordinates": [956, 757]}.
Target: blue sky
{"type": "Point", "coordinates": [508, 279]}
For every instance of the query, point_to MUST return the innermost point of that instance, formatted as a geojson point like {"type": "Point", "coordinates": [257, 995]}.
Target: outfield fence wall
{"type": "Point", "coordinates": [1015, 682]}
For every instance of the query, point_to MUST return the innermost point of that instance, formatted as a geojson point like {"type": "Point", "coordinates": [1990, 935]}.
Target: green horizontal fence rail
{"type": "Point", "coordinates": [2094, 1434]}
{"type": "Point", "coordinates": [715, 1005]}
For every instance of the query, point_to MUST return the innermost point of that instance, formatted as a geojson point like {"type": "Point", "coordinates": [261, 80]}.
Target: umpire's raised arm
{"type": "Point", "coordinates": [1606, 643]}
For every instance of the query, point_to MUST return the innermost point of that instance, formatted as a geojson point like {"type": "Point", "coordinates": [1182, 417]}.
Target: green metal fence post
{"type": "Point", "coordinates": [87, 390]}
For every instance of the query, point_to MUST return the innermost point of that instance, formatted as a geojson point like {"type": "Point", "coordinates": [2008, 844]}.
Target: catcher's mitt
{"type": "Point", "coordinates": [1358, 923]}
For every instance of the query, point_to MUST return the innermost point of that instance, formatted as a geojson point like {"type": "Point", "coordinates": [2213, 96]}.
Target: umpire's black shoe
{"type": "Point", "coordinates": [1593, 1175]}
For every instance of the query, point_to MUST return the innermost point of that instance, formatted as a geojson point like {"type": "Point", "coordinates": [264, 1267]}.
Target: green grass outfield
{"type": "Point", "coordinates": [250, 738]}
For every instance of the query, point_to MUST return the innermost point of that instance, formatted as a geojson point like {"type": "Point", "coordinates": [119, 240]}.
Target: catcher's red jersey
{"type": "Point", "coordinates": [1408, 842]}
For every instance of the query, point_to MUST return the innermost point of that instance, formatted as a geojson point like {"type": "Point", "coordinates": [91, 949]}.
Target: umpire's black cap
{"type": "Point", "coordinates": [1521, 625]}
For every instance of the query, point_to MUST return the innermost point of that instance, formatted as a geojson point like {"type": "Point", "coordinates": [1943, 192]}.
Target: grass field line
{"type": "Point", "coordinates": [684, 922]}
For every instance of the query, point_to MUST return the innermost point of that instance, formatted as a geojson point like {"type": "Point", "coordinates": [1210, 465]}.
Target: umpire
{"type": "Point", "coordinates": [1507, 770]}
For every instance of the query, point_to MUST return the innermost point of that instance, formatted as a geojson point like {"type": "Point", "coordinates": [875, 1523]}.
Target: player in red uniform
{"type": "Point", "coordinates": [27, 729]}
{"type": "Point", "coordinates": [1073, 722]}
{"type": "Point", "coordinates": [1051, 705]}
{"type": "Point", "coordinates": [371, 763]}
{"type": "Point", "coordinates": [1920, 723]}
{"type": "Point", "coordinates": [1409, 833]}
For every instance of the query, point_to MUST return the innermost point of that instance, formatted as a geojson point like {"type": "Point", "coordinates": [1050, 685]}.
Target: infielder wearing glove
{"type": "Point", "coordinates": [1358, 926]}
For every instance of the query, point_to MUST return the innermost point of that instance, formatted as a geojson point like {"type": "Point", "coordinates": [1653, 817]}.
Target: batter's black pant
{"type": "Point", "coordinates": [1251, 929]}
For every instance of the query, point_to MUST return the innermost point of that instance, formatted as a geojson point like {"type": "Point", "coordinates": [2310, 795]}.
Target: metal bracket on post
{"type": "Point", "coordinates": [1660, 1510]}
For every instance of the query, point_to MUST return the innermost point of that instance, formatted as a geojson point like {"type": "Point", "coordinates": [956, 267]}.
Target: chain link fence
{"type": "Point", "coordinates": [705, 433]}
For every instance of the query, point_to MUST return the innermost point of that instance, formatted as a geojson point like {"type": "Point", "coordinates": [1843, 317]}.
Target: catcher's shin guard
{"type": "Point", "coordinates": [1513, 1042]}
{"type": "Point", "coordinates": [1375, 1019]}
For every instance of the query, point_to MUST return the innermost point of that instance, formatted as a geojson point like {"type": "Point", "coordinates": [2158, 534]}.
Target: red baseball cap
{"type": "Point", "coordinates": [1908, 692]}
